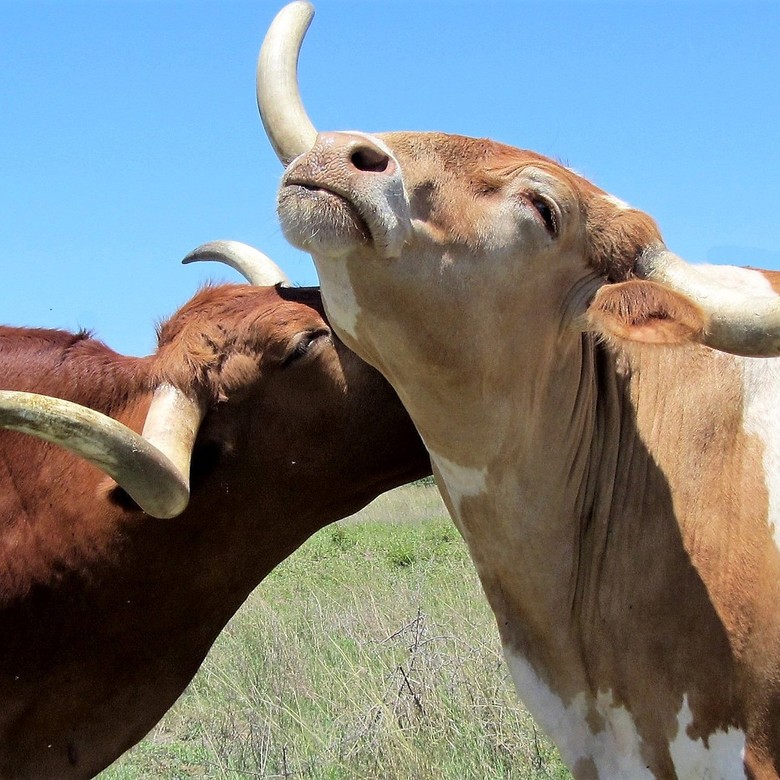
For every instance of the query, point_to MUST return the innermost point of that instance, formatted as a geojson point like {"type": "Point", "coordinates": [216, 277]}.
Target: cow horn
{"type": "Point", "coordinates": [152, 469]}
{"type": "Point", "coordinates": [737, 323]}
{"type": "Point", "coordinates": [286, 122]}
{"type": "Point", "coordinates": [251, 263]}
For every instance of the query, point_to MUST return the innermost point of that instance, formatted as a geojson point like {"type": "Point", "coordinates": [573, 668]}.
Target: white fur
{"type": "Point", "coordinates": [761, 378]}
{"type": "Point", "coordinates": [614, 750]}
{"type": "Point", "coordinates": [339, 296]}
{"type": "Point", "coordinates": [617, 202]}
{"type": "Point", "coordinates": [743, 280]}
{"type": "Point", "coordinates": [461, 482]}
{"type": "Point", "coordinates": [722, 757]}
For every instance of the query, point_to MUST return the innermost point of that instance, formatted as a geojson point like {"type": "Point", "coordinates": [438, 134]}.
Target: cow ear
{"type": "Point", "coordinates": [645, 312]}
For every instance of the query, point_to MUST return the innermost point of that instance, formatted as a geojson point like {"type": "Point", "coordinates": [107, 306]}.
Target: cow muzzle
{"type": "Point", "coordinates": [341, 189]}
{"type": "Point", "coordinates": [347, 189]}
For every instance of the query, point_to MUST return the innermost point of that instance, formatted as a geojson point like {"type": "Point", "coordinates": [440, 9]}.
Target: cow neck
{"type": "Point", "coordinates": [581, 621]}
{"type": "Point", "coordinates": [519, 511]}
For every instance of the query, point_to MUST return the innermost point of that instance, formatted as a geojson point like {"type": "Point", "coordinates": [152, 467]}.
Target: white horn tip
{"type": "Point", "coordinates": [257, 268]}
{"type": "Point", "coordinates": [286, 122]}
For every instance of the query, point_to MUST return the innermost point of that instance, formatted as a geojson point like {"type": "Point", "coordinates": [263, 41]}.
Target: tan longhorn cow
{"type": "Point", "coordinates": [601, 417]}
{"type": "Point", "coordinates": [258, 429]}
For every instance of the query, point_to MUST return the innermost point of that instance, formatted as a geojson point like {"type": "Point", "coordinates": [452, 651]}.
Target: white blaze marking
{"type": "Point", "coordinates": [761, 379]}
{"type": "Point", "coordinates": [617, 202]}
{"type": "Point", "coordinates": [461, 481]}
{"type": "Point", "coordinates": [341, 303]}
{"type": "Point", "coordinates": [722, 757]}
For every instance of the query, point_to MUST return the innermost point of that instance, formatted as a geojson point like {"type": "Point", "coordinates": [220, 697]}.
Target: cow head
{"type": "Point", "coordinates": [497, 238]}
{"type": "Point", "coordinates": [252, 378]}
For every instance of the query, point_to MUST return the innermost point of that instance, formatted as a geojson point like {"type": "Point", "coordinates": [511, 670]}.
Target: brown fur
{"type": "Point", "coordinates": [615, 496]}
{"type": "Point", "coordinates": [105, 613]}
{"type": "Point", "coordinates": [645, 312]}
{"type": "Point", "coordinates": [615, 237]}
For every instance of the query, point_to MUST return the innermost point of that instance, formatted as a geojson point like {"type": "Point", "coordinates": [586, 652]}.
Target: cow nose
{"type": "Point", "coordinates": [370, 158]}
{"type": "Point", "coordinates": [360, 152]}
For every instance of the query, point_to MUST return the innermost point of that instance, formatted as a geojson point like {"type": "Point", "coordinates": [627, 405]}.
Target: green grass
{"type": "Point", "coordinates": [370, 654]}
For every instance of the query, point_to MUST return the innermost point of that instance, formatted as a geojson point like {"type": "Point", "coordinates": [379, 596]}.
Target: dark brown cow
{"type": "Point", "coordinates": [106, 612]}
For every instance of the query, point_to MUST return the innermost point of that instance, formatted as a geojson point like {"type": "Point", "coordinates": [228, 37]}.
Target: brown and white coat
{"type": "Point", "coordinates": [601, 421]}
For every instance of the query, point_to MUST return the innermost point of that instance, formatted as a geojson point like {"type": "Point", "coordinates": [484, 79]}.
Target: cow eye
{"type": "Point", "coordinates": [547, 213]}
{"type": "Point", "coordinates": [304, 344]}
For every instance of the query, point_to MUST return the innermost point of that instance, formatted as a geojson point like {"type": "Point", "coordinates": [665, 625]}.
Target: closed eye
{"type": "Point", "coordinates": [547, 213]}
{"type": "Point", "coordinates": [304, 345]}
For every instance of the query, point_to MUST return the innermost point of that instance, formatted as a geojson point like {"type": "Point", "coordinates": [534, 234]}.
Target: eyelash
{"type": "Point", "coordinates": [301, 349]}
{"type": "Point", "coordinates": [547, 213]}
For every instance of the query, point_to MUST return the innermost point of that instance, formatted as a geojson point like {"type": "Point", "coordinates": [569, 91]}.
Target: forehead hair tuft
{"type": "Point", "coordinates": [616, 236]}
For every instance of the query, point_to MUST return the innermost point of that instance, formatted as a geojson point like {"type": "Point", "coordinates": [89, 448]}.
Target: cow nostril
{"type": "Point", "coordinates": [369, 159]}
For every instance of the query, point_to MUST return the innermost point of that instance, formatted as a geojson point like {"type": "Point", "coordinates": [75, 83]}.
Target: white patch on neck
{"type": "Point", "coordinates": [617, 202]}
{"type": "Point", "coordinates": [614, 750]}
{"type": "Point", "coordinates": [722, 757]}
{"type": "Point", "coordinates": [761, 380]}
{"type": "Point", "coordinates": [341, 304]}
{"type": "Point", "coordinates": [461, 482]}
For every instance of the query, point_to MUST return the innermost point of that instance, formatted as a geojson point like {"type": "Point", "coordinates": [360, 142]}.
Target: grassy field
{"type": "Point", "coordinates": [370, 654]}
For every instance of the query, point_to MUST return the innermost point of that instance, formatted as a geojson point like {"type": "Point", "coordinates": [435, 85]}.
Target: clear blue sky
{"type": "Point", "coordinates": [129, 133]}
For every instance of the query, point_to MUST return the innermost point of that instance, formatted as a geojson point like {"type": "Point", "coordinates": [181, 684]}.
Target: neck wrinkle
{"type": "Point", "coordinates": [612, 442]}
{"type": "Point", "coordinates": [543, 470]}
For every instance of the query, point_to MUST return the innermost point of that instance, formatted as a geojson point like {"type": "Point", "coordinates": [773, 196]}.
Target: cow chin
{"type": "Point", "coordinates": [320, 222]}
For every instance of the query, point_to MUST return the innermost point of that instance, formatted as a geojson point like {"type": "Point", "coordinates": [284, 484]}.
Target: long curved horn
{"type": "Point", "coordinates": [251, 263]}
{"type": "Point", "coordinates": [152, 469]}
{"type": "Point", "coordinates": [286, 122]}
{"type": "Point", "coordinates": [738, 323]}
